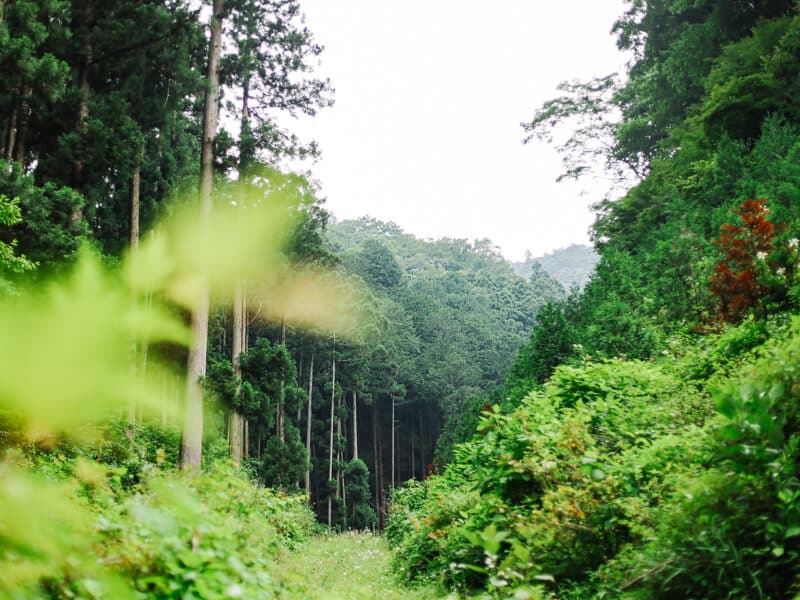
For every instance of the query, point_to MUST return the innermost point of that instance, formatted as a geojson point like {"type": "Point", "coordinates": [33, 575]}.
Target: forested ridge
{"type": "Point", "coordinates": [206, 379]}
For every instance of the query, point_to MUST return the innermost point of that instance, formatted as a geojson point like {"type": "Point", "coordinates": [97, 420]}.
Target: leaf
{"type": "Point", "coordinates": [793, 531]}
{"type": "Point", "coordinates": [730, 433]}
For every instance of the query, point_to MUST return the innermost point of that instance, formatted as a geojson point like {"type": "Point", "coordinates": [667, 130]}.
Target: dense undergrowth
{"type": "Point", "coordinates": [674, 478]}
{"type": "Point", "coordinates": [130, 525]}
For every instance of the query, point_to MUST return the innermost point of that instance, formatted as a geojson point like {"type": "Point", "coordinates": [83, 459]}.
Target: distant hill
{"type": "Point", "coordinates": [569, 266]}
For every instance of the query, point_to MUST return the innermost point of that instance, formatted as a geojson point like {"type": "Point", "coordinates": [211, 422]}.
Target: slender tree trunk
{"type": "Point", "coordinates": [246, 438]}
{"type": "Point", "coordinates": [136, 186]}
{"type": "Point", "coordinates": [192, 438]}
{"type": "Point", "coordinates": [381, 499]}
{"type": "Point", "coordinates": [393, 444]}
{"type": "Point", "coordinates": [340, 474]}
{"type": "Point", "coordinates": [239, 343]}
{"type": "Point", "coordinates": [413, 452]}
{"type": "Point", "coordinates": [339, 477]}
{"type": "Point", "coordinates": [299, 382]}
{"type": "Point", "coordinates": [84, 91]}
{"type": "Point", "coordinates": [13, 122]}
{"type": "Point", "coordinates": [236, 432]}
{"type": "Point", "coordinates": [24, 123]}
{"type": "Point", "coordinates": [308, 425]}
{"type": "Point", "coordinates": [421, 446]}
{"type": "Point", "coordinates": [282, 396]}
{"type": "Point", "coordinates": [373, 411]}
{"type": "Point", "coordinates": [330, 450]}
{"type": "Point", "coordinates": [355, 425]}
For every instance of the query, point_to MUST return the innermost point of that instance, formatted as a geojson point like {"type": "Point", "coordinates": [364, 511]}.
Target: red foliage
{"type": "Point", "coordinates": [430, 470]}
{"type": "Point", "coordinates": [745, 249]}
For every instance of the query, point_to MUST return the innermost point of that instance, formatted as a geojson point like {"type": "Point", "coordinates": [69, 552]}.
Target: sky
{"type": "Point", "coordinates": [430, 95]}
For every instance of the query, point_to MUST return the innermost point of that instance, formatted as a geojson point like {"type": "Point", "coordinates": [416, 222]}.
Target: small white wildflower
{"type": "Point", "coordinates": [761, 255]}
{"type": "Point", "coordinates": [793, 243]}
{"type": "Point", "coordinates": [780, 271]}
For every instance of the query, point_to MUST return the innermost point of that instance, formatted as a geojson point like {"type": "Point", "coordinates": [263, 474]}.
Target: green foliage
{"type": "Point", "coordinates": [547, 494]}
{"type": "Point", "coordinates": [738, 519]}
{"type": "Point", "coordinates": [10, 263]}
{"type": "Point", "coordinates": [361, 514]}
{"type": "Point", "coordinates": [202, 536]}
{"type": "Point", "coordinates": [551, 344]}
{"type": "Point", "coordinates": [618, 479]}
{"type": "Point", "coordinates": [46, 231]}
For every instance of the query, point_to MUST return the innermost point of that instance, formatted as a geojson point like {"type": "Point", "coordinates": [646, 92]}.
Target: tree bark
{"type": "Point", "coordinates": [84, 91]}
{"type": "Point", "coordinates": [413, 452]}
{"type": "Point", "coordinates": [375, 470]}
{"type": "Point", "coordinates": [11, 141]}
{"type": "Point", "coordinates": [381, 515]}
{"type": "Point", "coordinates": [299, 382]}
{"type": "Point", "coordinates": [24, 124]}
{"type": "Point", "coordinates": [192, 438]}
{"type": "Point", "coordinates": [136, 186]}
{"type": "Point", "coordinates": [330, 449]}
{"type": "Point", "coordinates": [339, 481]}
{"type": "Point", "coordinates": [355, 425]}
{"type": "Point", "coordinates": [421, 446]}
{"type": "Point", "coordinates": [235, 440]}
{"type": "Point", "coordinates": [308, 426]}
{"type": "Point", "coordinates": [393, 445]}
{"type": "Point", "coordinates": [281, 420]}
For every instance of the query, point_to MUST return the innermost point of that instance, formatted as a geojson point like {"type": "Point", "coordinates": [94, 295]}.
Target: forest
{"type": "Point", "coordinates": [210, 387]}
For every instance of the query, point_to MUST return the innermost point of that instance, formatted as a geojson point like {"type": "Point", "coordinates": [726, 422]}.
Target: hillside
{"type": "Point", "coordinates": [570, 266]}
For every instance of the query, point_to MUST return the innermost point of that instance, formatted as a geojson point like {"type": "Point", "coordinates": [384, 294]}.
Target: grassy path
{"type": "Point", "coordinates": [348, 566]}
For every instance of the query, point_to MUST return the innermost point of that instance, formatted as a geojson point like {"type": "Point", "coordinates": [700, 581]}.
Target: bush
{"type": "Point", "coordinates": [550, 492]}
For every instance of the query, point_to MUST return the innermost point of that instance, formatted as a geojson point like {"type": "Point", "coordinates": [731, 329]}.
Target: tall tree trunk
{"type": "Point", "coordinates": [13, 123]}
{"type": "Point", "coordinates": [246, 438]}
{"type": "Point", "coordinates": [24, 123]}
{"type": "Point", "coordinates": [245, 136]}
{"type": "Point", "coordinates": [192, 438]}
{"type": "Point", "coordinates": [413, 452]}
{"type": "Point", "coordinates": [84, 92]}
{"type": "Point", "coordinates": [381, 499]}
{"type": "Point", "coordinates": [355, 425]}
{"type": "Point", "coordinates": [282, 396]}
{"type": "Point", "coordinates": [308, 426]}
{"type": "Point", "coordinates": [299, 382]}
{"type": "Point", "coordinates": [393, 444]}
{"type": "Point", "coordinates": [339, 476]}
{"type": "Point", "coordinates": [136, 186]}
{"type": "Point", "coordinates": [236, 432]}
{"type": "Point", "coordinates": [330, 450]}
{"type": "Point", "coordinates": [373, 411]}
{"type": "Point", "coordinates": [421, 446]}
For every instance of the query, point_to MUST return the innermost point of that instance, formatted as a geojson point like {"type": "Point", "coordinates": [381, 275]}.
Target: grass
{"type": "Point", "coordinates": [347, 566]}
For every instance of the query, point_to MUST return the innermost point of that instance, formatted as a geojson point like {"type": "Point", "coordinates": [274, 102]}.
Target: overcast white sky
{"type": "Point", "coordinates": [429, 97]}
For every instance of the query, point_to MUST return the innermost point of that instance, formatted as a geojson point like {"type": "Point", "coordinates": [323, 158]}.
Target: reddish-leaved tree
{"type": "Point", "coordinates": [740, 281]}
